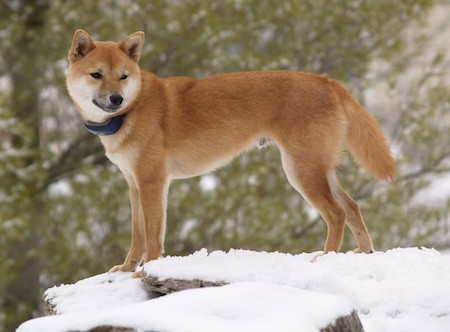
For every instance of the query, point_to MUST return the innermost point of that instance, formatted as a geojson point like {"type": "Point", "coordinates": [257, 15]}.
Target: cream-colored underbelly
{"type": "Point", "coordinates": [198, 162]}
{"type": "Point", "coordinates": [182, 168]}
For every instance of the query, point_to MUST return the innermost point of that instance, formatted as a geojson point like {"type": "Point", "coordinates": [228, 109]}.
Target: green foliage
{"type": "Point", "coordinates": [239, 209]}
{"type": "Point", "coordinates": [64, 208]}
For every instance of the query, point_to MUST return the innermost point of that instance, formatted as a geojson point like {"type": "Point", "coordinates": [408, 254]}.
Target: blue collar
{"type": "Point", "coordinates": [108, 127]}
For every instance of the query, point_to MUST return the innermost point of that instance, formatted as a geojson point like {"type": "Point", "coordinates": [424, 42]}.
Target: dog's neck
{"type": "Point", "coordinates": [106, 128]}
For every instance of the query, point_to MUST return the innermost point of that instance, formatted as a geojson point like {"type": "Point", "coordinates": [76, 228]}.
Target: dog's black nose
{"type": "Point", "coordinates": [116, 100]}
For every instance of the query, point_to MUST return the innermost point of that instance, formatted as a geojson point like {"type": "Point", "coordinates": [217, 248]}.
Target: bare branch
{"type": "Point", "coordinates": [76, 155]}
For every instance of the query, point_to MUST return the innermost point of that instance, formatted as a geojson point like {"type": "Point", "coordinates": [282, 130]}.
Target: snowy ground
{"type": "Point", "coordinates": [399, 290]}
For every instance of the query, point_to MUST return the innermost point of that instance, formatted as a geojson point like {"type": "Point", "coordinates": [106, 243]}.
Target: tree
{"type": "Point", "coordinates": [22, 172]}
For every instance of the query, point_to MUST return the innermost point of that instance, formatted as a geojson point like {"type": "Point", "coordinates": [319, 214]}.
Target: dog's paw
{"type": "Point", "coordinates": [122, 268]}
{"type": "Point", "coordinates": [316, 257]}
{"type": "Point", "coordinates": [361, 251]}
{"type": "Point", "coordinates": [138, 274]}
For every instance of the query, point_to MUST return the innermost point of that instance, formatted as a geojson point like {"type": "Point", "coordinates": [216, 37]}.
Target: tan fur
{"type": "Point", "coordinates": [181, 127]}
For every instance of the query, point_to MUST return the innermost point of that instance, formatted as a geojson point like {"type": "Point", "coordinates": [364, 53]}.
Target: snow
{"type": "Point", "coordinates": [97, 293]}
{"type": "Point", "coordinates": [271, 308]}
{"type": "Point", "coordinates": [398, 290]}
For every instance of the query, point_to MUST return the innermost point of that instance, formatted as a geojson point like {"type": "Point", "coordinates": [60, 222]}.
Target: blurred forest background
{"type": "Point", "coordinates": [64, 210]}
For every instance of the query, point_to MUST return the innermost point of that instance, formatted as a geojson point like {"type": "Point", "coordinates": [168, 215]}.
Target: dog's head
{"type": "Point", "coordinates": [104, 77]}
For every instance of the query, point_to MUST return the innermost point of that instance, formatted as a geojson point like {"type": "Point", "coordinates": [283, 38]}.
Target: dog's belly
{"type": "Point", "coordinates": [182, 168]}
{"type": "Point", "coordinates": [198, 161]}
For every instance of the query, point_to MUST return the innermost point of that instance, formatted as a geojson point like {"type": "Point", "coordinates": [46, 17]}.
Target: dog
{"type": "Point", "coordinates": [158, 129]}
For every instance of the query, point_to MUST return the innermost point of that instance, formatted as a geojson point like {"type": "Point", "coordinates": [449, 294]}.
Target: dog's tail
{"type": "Point", "coordinates": [366, 140]}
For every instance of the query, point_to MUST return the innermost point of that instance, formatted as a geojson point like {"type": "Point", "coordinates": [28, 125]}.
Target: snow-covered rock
{"type": "Point", "coordinates": [399, 290]}
{"type": "Point", "coordinates": [247, 306]}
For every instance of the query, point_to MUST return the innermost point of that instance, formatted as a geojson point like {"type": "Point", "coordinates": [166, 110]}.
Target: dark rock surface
{"type": "Point", "coordinates": [168, 286]}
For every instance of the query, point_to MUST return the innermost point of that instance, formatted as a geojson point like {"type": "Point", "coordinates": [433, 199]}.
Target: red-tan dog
{"type": "Point", "coordinates": [157, 129]}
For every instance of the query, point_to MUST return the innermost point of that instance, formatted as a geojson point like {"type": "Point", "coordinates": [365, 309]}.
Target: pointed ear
{"type": "Point", "coordinates": [82, 44]}
{"type": "Point", "coordinates": [132, 45]}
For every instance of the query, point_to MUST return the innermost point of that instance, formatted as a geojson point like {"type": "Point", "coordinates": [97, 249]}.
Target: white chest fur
{"type": "Point", "coordinates": [124, 159]}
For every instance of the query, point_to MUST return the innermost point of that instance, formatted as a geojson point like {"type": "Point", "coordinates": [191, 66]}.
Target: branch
{"type": "Point", "coordinates": [82, 148]}
{"type": "Point", "coordinates": [432, 168]}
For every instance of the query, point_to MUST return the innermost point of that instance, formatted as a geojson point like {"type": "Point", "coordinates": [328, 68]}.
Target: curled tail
{"type": "Point", "coordinates": [366, 140]}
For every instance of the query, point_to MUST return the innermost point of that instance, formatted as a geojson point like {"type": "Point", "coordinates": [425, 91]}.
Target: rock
{"type": "Point", "coordinates": [159, 287]}
{"type": "Point", "coordinates": [107, 328]}
{"type": "Point", "coordinates": [49, 308]}
{"type": "Point", "coordinates": [348, 323]}
{"type": "Point", "coordinates": [167, 286]}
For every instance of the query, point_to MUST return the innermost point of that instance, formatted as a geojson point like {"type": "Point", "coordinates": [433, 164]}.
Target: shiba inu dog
{"type": "Point", "coordinates": [157, 129]}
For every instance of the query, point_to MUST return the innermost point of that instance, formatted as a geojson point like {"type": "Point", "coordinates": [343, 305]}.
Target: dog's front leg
{"type": "Point", "coordinates": [153, 198]}
{"type": "Point", "coordinates": [137, 247]}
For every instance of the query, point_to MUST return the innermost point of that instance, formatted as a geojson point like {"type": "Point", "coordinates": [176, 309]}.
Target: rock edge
{"type": "Point", "coordinates": [347, 323]}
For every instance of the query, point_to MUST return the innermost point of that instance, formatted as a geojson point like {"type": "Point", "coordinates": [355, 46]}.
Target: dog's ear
{"type": "Point", "coordinates": [82, 44]}
{"type": "Point", "coordinates": [132, 45]}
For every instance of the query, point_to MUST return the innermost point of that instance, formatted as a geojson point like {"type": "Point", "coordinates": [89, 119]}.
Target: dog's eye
{"type": "Point", "coordinates": [97, 76]}
{"type": "Point", "coordinates": [123, 77]}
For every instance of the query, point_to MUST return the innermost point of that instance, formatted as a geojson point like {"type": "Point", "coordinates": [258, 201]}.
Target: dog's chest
{"type": "Point", "coordinates": [121, 154]}
{"type": "Point", "coordinates": [124, 159]}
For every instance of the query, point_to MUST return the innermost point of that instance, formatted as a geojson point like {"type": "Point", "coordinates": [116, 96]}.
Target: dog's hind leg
{"type": "Point", "coordinates": [354, 220]}
{"type": "Point", "coordinates": [309, 178]}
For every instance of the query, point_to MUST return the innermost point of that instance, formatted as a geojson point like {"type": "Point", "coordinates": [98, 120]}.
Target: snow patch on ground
{"type": "Point", "coordinates": [398, 290]}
